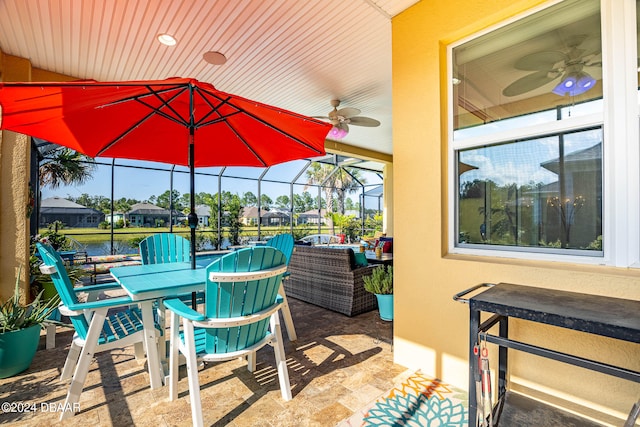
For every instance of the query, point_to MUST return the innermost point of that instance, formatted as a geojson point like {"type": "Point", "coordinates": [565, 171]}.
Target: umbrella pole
{"type": "Point", "coordinates": [192, 218]}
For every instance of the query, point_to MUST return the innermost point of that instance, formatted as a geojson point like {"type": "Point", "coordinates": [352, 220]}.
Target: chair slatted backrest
{"type": "Point", "coordinates": [284, 243]}
{"type": "Point", "coordinates": [63, 285]}
{"type": "Point", "coordinates": [233, 299]}
{"type": "Point", "coordinates": [164, 248]}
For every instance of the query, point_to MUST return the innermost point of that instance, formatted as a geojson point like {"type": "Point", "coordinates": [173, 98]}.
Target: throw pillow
{"type": "Point", "coordinates": [387, 244]}
{"type": "Point", "coordinates": [361, 259]}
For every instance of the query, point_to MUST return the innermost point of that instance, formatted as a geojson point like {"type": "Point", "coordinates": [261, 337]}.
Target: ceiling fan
{"type": "Point", "coordinates": [342, 118]}
{"type": "Point", "coordinates": [551, 65]}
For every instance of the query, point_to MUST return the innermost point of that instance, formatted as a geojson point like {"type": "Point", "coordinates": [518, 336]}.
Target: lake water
{"type": "Point", "coordinates": [123, 247]}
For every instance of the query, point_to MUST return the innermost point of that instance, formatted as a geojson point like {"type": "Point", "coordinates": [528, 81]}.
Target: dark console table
{"type": "Point", "coordinates": [610, 317]}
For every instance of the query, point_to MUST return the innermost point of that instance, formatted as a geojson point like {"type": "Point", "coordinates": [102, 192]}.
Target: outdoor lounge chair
{"type": "Point", "coordinates": [285, 244]}
{"type": "Point", "coordinates": [97, 329]}
{"type": "Point", "coordinates": [240, 316]}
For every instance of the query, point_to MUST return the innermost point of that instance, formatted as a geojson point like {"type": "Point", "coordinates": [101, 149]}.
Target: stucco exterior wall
{"type": "Point", "coordinates": [430, 329]}
{"type": "Point", "coordinates": [15, 152]}
{"type": "Point", "coordinates": [14, 192]}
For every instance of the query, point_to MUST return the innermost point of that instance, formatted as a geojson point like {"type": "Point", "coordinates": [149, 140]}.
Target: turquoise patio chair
{"type": "Point", "coordinates": [285, 244]}
{"type": "Point", "coordinates": [240, 317]}
{"type": "Point", "coordinates": [96, 328]}
{"type": "Point", "coordinates": [163, 248]}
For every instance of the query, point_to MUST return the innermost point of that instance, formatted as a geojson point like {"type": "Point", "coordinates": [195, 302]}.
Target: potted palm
{"type": "Point", "coordinates": [20, 325]}
{"type": "Point", "coordinates": [380, 283]}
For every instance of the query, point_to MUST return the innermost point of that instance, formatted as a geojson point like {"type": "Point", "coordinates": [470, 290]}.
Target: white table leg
{"type": "Point", "coordinates": [155, 368]}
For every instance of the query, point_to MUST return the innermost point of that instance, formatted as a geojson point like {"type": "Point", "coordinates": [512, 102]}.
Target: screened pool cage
{"type": "Point", "coordinates": [291, 197]}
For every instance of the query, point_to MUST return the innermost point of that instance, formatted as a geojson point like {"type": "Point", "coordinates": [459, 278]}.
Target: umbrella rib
{"type": "Point", "coordinates": [156, 93]}
{"type": "Point", "coordinates": [166, 103]}
{"type": "Point", "coordinates": [136, 97]}
{"type": "Point", "coordinates": [253, 116]}
{"type": "Point", "coordinates": [153, 109]}
{"type": "Point", "coordinates": [115, 141]}
{"type": "Point", "coordinates": [245, 143]}
{"type": "Point", "coordinates": [214, 109]}
{"type": "Point", "coordinates": [264, 122]}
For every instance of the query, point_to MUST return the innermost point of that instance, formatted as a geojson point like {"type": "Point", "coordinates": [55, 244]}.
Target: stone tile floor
{"type": "Point", "coordinates": [337, 365]}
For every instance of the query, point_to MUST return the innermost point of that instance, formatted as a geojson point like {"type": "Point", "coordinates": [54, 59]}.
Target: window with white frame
{"type": "Point", "coordinates": [533, 147]}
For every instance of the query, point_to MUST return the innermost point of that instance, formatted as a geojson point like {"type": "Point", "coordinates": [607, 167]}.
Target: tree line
{"type": "Point", "coordinates": [301, 202]}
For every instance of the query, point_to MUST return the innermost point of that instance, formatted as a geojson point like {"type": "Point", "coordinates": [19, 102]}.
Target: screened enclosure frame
{"type": "Point", "coordinates": [40, 148]}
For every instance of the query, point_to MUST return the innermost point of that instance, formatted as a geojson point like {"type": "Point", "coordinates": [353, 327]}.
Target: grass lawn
{"type": "Point", "coordinates": [96, 235]}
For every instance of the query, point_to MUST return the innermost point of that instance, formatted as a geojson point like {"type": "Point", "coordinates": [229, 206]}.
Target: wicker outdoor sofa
{"type": "Point", "coordinates": [329, 278]}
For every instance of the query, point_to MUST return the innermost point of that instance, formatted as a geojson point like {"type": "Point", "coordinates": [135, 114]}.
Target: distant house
{"type": "Point", "coordinates": [117, 216]}
{"type": "Point", "coordinates": [204, 215]}
{"type": "Point", "coordinates": [276, 218]}
{"type": "Point", "coordinates": [249, 215]}
{"type": "Point", "coordinates": [71, 214]}
{"type": "Point", "coordinates": [312, 217]}
{"type": "Point", "coordinates": [148, 215]}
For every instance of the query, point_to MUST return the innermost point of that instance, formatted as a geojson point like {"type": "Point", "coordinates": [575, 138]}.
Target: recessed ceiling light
{"type": "Point", "coordinates": [215, 58]}
{"type": "Point", "coordinates": [167, 39]}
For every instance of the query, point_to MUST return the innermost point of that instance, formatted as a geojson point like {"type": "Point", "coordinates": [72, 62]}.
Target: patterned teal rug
{"type": "Point", "coordinates": [418, 401]}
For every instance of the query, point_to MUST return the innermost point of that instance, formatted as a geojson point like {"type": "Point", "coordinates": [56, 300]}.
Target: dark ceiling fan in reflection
{"type": "Point", "coordinates": [569, 66]}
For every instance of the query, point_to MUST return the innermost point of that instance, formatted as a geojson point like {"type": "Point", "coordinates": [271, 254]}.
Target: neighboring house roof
{"type": "Point", "coordinates": [589, 159]}
{"type": "Point", "coordinates": [144, 206]}
{"type": "Point", "coordinates": [252, 212]}
{"type": "Point", "coordinates": [149, 209]}
{"type": "Point", "coordinates": [58, 205]}
{"type": "Point", "coordinates": [203, 210]}
{"type": "Point", "coordinates": [314, 213]}
{"type": "Point", "coordinates": [59, 202]}
{"type": "Point", "coordinates": [276, 214]}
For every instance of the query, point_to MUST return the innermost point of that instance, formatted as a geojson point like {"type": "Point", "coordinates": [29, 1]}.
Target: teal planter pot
{"type": "Point", "coordinates": [385, 306]}
{"type": "Point", "coordinates": [17, 349]}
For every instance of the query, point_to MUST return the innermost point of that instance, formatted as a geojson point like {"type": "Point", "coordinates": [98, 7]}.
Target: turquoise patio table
{"type": "Point", "coordinates": [153, 282]}
{"type": "Point", "coordinates": [149, 283]}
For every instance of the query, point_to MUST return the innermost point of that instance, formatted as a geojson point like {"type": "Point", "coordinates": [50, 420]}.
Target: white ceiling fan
{"type": "Point", "coordinates": [342, 118]}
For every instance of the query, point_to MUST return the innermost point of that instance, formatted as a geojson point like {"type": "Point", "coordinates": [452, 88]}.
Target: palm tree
{"type": "Point", "coordinates": [347, 182]}
{"type": "Point", "coordinates": [318, 174]}
{"type": "Point", "coordinates": [334, 181]}
{"type": "Point", "coordinates": [64, 166]}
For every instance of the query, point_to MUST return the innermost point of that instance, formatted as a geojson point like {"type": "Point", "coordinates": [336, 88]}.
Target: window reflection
{"type": "Point", "coordinates": [543, 192]}
{"type": "Point", "coordinates": [528, 69]}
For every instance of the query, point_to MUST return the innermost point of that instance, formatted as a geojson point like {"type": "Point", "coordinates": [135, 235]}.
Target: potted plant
{"type": "Point", "coordinates": [20, 325]}
{"type": "Point", "coordinates": [380, 283]}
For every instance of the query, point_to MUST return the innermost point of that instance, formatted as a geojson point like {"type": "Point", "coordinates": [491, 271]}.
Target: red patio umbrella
{"type": "Point", "coordinates": [177, 121]}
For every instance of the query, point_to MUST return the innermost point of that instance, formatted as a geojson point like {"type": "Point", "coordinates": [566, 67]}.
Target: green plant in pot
{"type": "Point", "coordinates": [380, 283]}
{"type": "Point", "coordinates": [20, 325]}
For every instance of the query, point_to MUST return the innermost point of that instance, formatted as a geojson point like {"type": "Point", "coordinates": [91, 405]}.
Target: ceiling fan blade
{"type": "Point", "coordinates": [540, 61]}
{"type": "Point", "coordinates": [529, 82]}
{"type": "Point", "coordinates": [321, 117]}
{"type": "Point", "coordinates": [364, 121]}
{"type": "Point", "coordinates": [590, 46]}
{"type": "Point", "coordinates": [343, 126]}
{"type": "Point", "coordinates": [348, 112]}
